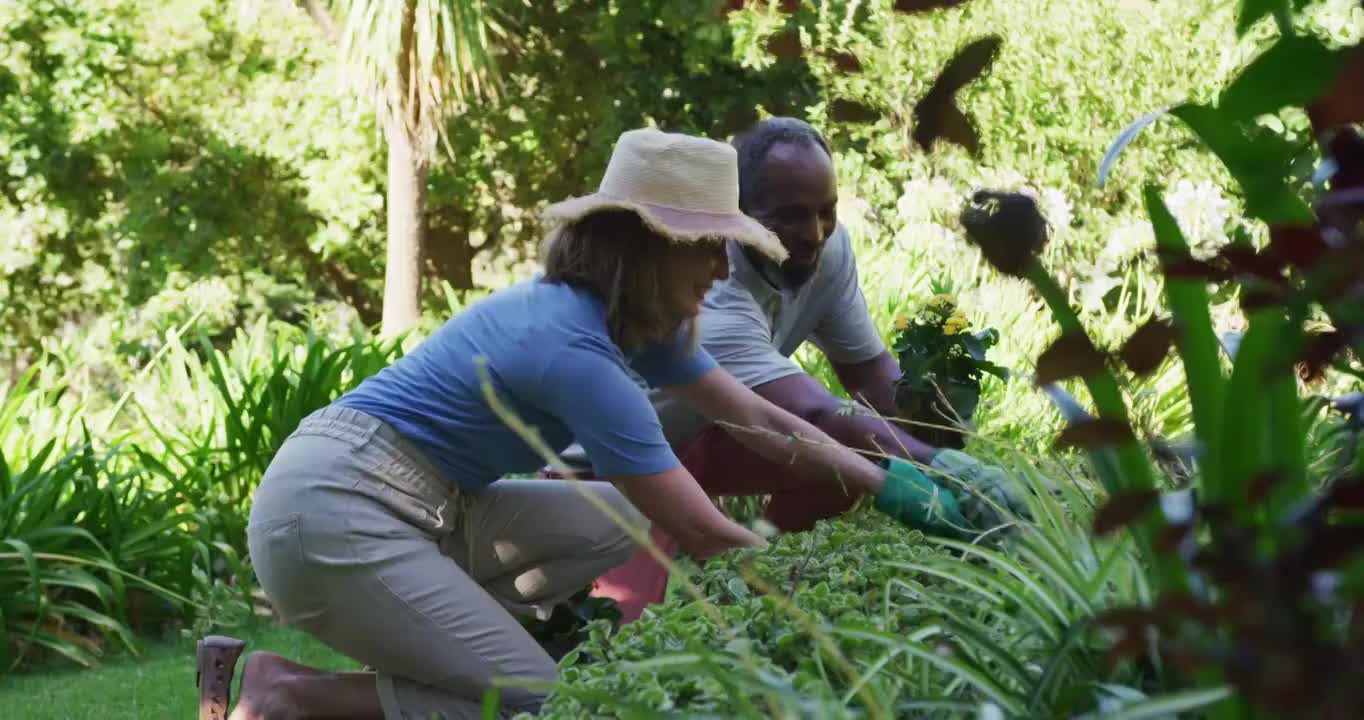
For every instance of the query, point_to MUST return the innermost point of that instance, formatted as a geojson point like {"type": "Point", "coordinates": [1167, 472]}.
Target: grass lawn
{"type": "Point", "coordinates": [157, 684]}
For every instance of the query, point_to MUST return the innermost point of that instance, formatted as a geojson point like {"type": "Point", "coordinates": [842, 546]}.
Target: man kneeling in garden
{"type": "Point", "coordinates": [754, 320]}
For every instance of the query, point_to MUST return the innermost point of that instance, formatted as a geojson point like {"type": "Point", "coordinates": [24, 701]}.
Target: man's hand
{"type": "Point", "coordinates": [989, 495]}
{"type": "Point", "coordinates": [916, 501]}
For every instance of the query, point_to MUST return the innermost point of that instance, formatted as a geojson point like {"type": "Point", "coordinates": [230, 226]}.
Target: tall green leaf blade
{"type": "Point", "coordinates": [1287, 440]}
{"type": "Point", "coordinates": [99, 620]}
{"type": "Point", "coordinates": [1244, 426]}
{"type": "Point", "coordinates": [1198, 346]}
{"type": "Point", "coordinates": [1171, 705]}
{"type": "Point", "coordinates": [968, 672]}
{"type": "Point", "coordinates": [65, 648]}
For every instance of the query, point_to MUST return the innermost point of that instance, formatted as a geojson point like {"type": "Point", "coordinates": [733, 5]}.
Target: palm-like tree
{"type": "Point", "coordinates": [420, 61]}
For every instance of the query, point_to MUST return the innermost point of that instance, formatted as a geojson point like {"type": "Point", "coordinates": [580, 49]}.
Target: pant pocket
{"type": "Point", "coordinates": [389, 484]}
{"type": "Point", "coordinates": [277, 555]}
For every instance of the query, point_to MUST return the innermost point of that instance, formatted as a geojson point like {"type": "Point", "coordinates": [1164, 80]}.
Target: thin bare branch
{"type": "Point", "coordinates": [317, 10]}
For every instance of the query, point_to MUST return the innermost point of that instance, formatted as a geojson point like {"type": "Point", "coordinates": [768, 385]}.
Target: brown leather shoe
{"type": "Point", "coordinates": [216, 662]}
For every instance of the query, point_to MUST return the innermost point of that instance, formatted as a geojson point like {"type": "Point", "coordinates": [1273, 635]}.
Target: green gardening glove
{"type": "Point", "coordinates": [913, 499]}
{"type": "Point", "coordinates": [990, 497]}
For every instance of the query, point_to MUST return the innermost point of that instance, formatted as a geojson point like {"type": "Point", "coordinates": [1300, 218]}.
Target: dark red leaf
{"type": "Point", "coordinates": [785, 45]}
{"type": "Point", "coordinates": [913, 6]}
{"type": "Point", "coordinates": [729, 6]}
{"type": "Point", "coordinates": [1172, 537]}
{"type": "Point", "coordinates": [1347, 494]}
{"type": "Point", "coordinates": [1321, 350]}
{"type": "Point", "coordinates": [1182, 266]}
{"type": "Point", "coordinates": [1148, 346]}
{"type": "Point", "coordinates": [948, 123]}
{"type": "Point", "coordinates": [1007, 227]}
{"type": "Point", "coordinates": [844, 62]}
{"type": "Point", "coordinates": [1123, 509]}
{"type": "Point", "coordinates": [1332, 545]}
{"type": "Point", "coordinates": [967, 65]}
{"type": "Point", "coordinates": [1128, 619]}
{"type": "Point", "coordinates": [789, 6]}
{"type": "Point", "coordinates": [1298, 245]}
{"type": "Point", "coordinates": [1095, 434]}
{"type": "Point", "coordinates": [849, 111]}
{"type": "Point", "coordinates": [1188, 660]}
{"type": "Point", "coordinates": [1071, 355]}
{"type": "Point", "coordinates": [1344, 103]}
{"type": "Point", "coordinates": [1243, 259]}
{"type": "Point", "coordinates": [1230, 568]}
{"type": "Point", "coordinates": [937, 115]}
{"type": "Point", "coordinates": [1261, 485]}
{"type": "Point", "coordinates": [1347, 150]}
{"type": "Point", "coordinates": [1129, 645]}
{"type": "Point", "coordinates": [1131, 625]}
{"type": "Point", "coordinates": [1183, 605]}
{"type": "Point", "coordinates": [1260, 297]}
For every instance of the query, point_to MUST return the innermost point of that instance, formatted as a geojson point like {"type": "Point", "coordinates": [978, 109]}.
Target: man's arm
{"type": "Point", "coordinates": [872, 382]}
{"type": "Point", "coordinates": [779, 435]}
{"type": "Point", "coordinates": [803, 396]}
{"type": "Point", "coordinates": [847, 336]}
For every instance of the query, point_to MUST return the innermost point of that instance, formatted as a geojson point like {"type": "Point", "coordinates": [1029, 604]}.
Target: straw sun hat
{"type": "Point", "coordinates": [684, 188]}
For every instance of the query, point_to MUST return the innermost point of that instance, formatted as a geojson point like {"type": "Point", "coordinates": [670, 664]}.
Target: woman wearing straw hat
{"type": "Point", "coordinates": [382, 526]}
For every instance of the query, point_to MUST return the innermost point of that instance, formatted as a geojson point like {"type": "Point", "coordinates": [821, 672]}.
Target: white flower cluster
{"type": "Point", "coordinates": [1056, 209]}
{"type": "Point", "coordinates": [1126, 243]}
{"type": "Point", "coordinates": [1202, 211]}
{"type": "Point", "coordinates": [931, 200]}
{"type": "Point", "coordinates": [18, 242]}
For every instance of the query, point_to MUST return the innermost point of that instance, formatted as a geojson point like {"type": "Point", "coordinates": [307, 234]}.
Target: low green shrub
{"type": "Point", "coordinates": [145, 524]}
{"type": "Point", "coordinates": [861, 618]}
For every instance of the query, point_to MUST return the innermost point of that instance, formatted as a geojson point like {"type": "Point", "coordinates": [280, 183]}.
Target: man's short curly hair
{"type": "Point", "coordinates": [753, 145]}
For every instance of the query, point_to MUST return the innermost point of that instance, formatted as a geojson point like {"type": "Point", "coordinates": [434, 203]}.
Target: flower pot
{"type": "Point", "coordinates": [932, 421]}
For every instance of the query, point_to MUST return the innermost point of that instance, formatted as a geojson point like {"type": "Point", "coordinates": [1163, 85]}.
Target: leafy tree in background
{"type": "Point", "coordinates": [420, 62]}
{"type": "Point", "coordinates": [156, 146]}
{"type": "Point", "coordinates": [152, 144]}
{"type": "Point", "coordinates": [576, 74]}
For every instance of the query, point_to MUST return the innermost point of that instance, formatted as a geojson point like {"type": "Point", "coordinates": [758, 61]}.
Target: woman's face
{"type": "Point", "coordinates": [692, 269]}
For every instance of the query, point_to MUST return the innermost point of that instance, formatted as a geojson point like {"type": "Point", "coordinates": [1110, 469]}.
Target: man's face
{"type": "Point", "coordinates": [797, 199]}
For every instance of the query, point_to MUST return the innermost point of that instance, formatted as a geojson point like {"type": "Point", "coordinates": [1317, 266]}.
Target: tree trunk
{"type": "Point", "coordinates": [406, 195]}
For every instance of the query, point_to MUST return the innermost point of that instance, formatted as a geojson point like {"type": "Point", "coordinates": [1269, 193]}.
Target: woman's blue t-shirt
{"type": "Point", "coordinates": [551, 360]}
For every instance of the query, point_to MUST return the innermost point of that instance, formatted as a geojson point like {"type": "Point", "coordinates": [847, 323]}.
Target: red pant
{"type": "Point", "coordinates": [724, 467]}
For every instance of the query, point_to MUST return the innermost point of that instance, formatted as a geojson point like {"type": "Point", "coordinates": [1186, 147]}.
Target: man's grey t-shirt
{"type": "Point", "coordinates": [751, 323]}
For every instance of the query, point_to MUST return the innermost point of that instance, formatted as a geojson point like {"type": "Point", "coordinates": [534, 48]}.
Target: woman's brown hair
{"type": "Point", "coordinates": [614, 254]}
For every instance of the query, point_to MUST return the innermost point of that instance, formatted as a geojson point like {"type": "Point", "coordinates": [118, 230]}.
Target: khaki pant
{"type": "Point", "coordinates": [357, 541]}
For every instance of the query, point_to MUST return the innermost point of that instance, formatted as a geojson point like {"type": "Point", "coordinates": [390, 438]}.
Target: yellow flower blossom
{"type": "Point", "coordinates": [901, 322]}
{"type": "Point", "coordinates": [942, 301]}
{"type": "Point", "coordinates": [954, 325]}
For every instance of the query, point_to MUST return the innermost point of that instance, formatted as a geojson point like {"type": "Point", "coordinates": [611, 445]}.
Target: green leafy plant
{"type": "Point", "coordinates": [145, 528]}
{"type": "Point", "coordinates": [858, 618]}
{"type": "Point", "coordinates": [1256, 577]}
{"type": "Point", "coordinates": [941, 364]}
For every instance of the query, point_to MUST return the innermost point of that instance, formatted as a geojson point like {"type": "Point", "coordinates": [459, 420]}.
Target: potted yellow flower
{"type": "Point", "coordinates": [940, 358]}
